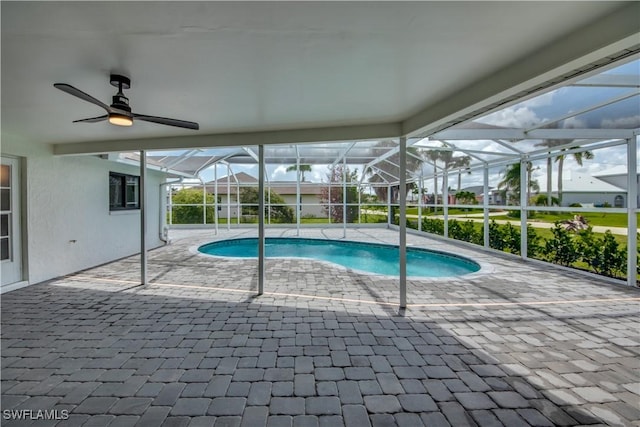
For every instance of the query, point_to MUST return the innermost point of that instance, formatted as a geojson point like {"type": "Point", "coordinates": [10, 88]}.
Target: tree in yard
{"type": "Point", "coordinates": [578, 157]}
{"type": "Point", "coordinates": [193, 213]}
{"type": "Point", "coordinates": [543, 200]}
{"type": "Point", "coordinates": [434, 156]}
{"type": "Point", "coordinates": [460, 162]}
{"type": "Point", "coordinates": [279, 211]}
{"type": "Point", "coordinates": [389, 169]}
{"type": "Point", "coordinates": [303, 169]}
{"type": "Point", "coordinates": [331, 197]}
{"type": "Point", "coordinates": [466, 198]}
{"type": "Point", "coordinates": [450, 162]}
{"type": "Point", "coordinates": [510, 184]}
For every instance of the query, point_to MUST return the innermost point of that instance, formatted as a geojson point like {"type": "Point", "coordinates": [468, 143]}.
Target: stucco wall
{"type": "Point", "coordinates": [70, 227]}
{"type": "Point", "coordinates": [592, 198]}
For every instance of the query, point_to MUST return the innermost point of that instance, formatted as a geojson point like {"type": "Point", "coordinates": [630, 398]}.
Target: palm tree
{"type": "Point", "coordinates": [434, 156]}
{"type": "Point", "coordinates": [460, 162]}
{"type": "Point", "coordinates": [578, 157]}
{"type": "Point", "coordinates": [450, 162]}
{"type": "Point", "coordinates": [511, 182]}
{"type": "Point", "coordinates": [303, 169]}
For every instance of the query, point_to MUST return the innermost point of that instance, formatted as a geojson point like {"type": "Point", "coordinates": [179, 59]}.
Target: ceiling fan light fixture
{"type": "Point", "coordinates": [119, 112]}
{"type": "Point", "coordinates": [120, 119]}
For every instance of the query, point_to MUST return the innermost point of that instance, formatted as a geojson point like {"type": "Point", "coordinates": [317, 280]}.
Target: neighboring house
{"type": "Point", "coordinates": [587, 190]}
{"type": "Point", "coordinates": [228, 189]}
{"type": "Point", "coordinates": [609, 187]}
{"type": "Point", "coordinates": [617, 176]}
{"type": "Point", "coordinates": [495, 196]}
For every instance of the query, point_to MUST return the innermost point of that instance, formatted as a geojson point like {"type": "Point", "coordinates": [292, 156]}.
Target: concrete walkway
{"type": "Point", "coordinates": [511, 345]}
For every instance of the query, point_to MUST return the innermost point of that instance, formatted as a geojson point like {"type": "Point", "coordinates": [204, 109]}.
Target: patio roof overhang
{"type": "Point", "coordinates": [597, 100]}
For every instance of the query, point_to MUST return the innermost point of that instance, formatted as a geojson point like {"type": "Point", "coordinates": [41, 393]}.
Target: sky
{"type": "Point", "coordinates": [562, 102]}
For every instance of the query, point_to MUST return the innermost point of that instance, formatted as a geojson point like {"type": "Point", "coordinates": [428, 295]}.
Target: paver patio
{"type": "Point", "coordinates": [514, 344]}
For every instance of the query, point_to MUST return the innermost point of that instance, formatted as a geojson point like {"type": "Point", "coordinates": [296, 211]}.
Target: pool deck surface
{"type": "Point", "coordinates": [514, 344]}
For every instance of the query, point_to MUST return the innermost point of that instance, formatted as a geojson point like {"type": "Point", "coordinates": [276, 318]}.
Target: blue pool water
{"type": "Point", "coordinates": [368, 257]}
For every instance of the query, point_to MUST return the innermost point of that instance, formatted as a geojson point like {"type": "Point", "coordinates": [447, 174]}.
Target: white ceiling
{"type": "Point", "coordinates": [239, 67]}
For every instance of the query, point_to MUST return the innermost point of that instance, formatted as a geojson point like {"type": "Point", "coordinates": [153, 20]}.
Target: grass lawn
{"type": "Point", "coordinates": [452, 211]}
{"type": "Point", "coordinates": [605, 219]}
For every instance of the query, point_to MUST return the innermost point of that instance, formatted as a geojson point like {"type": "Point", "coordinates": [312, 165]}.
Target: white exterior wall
{"type": "Point", "coordinates": [592, 198]}
{"type": "Point", "coordinates": [68, 224]}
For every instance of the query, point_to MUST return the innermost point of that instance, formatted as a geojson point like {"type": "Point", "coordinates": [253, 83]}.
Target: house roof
{"type": "Point", "coordinates": [240, 177]}
{"type": "Point", "coordinates": [280, 187]}
{"type": "Point", "coordinates": [577, 182]}
{"type": "Point", "coordinates": [613, 171]}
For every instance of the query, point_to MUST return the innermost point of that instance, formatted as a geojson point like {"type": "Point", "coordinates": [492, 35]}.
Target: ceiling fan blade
{"type": "Point", "coordinates": [80, 94]}
{"type": "Point", "coordinates": [167, 121]}
{"type": "Point", "coordinates": [92, 119]}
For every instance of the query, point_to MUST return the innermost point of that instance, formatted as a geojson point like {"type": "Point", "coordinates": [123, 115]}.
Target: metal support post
{"type": "Point", "coordinates": [344, 197]}
{"type": "Point", "coordinates": [261, 238]}
{"type": "Point", "coordinates": [389, 219]}
{"type": "Point", "coordinates": [359, 204]}
{"type": "Point", "coordinates": [420, 191]}
{"type": "Point", "coordinates": [204, 202]}
{"type": "Point", "coordinates": [445, 200]}
{"type": "Point", "coordinates": [228, 198]}
{"type": "Point", "coordinates": [403, 222]}
{"type": "Point", "coordinates": [330, 179]}
{"type": "Point", "coordinates": [485, 204]}
{"type": "Point", "coordinates": [215, 195]}
{"type": "Point", "coordinates": [143, 217]}
{"type": "Point", "coordinates": [298, 196]}
{"type": "Point", "coordinates": [632, 206]}
{"type": "Point", "coordinates": [524, 185]}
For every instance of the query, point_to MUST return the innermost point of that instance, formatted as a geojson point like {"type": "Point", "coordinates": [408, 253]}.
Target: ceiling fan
{"type": "Point", "coordinates": [119, 112]}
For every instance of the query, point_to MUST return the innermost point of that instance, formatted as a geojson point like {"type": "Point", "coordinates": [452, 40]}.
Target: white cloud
{"type": "Point", "coordinates": [539, 101]}
{"type": "Point", "coordinates": [513, 117]}
{"type": "Point", "coordinates": [574, 123]}
{"type": "Point", "coordinates": [629, 122]}
{"type": "Point", "coordinates": [280, 173]}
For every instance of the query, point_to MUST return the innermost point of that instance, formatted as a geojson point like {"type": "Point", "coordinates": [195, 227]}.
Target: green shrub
{"type": "Point", "coordinates": [280, 213]}
{"type": "Point", "coordinates": [191, 214]}
{"type": "Point", "coordinates": [496, 236]}
{"type": "Point", "coordinates": [511, 239]}
{"type": "Point", "coordinates": [434, 226]}
{"type": "Point", "coordinates": [533, 242]}
{"type": "Point", "coordinates": [472, 234]}
{"type": "Point", "coordinates": [603, 255]}
{"type": "Point", "coordinates": [614, 257]}
{"type": "Point", "coordinates": [575, 205]}
{"type": "Point", "coordinates": [455, 230]}
{"type": "Point", "coordinates": [562, 249]}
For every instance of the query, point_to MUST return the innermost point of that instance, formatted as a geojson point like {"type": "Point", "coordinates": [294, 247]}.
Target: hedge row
{"type": "Point", "coordinates": [602, 254]}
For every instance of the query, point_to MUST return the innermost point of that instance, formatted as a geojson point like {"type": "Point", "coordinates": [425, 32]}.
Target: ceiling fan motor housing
{"type": "Point", "coordinates": [120, 102]}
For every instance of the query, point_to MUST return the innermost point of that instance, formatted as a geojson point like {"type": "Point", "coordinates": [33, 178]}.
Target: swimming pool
{"type": "Point", "coordinates": [367, 257]}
